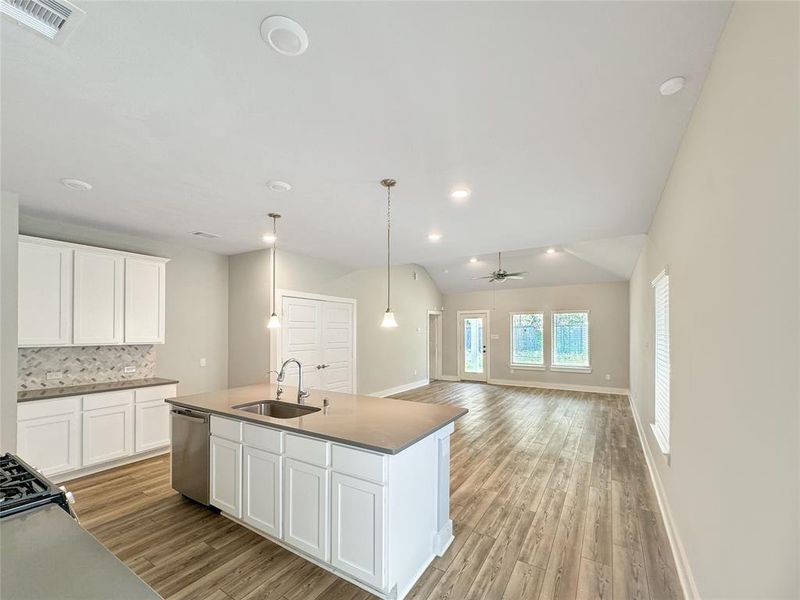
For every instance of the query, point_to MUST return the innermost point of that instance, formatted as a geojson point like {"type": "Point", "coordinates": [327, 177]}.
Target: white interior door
{"type": "Point", "coordinates": [319, 333]}
{"type": "Point", "coordinates": [337, 346]}
{"type": "Point", "coordinates": [301, 338]}
{"type": "Point", "coordinates": [472, 346]}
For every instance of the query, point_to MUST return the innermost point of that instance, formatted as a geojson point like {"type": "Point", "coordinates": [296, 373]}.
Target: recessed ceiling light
{"type": "Point", "coordinates": [672, 86]}
{"type": "Point", "coordinates": [434, 237]}
{"type": "Point", "coordinates": [284, 35]}
{"type": "Point", "coordinates": [269, 238]}
{"type": "Point", "coordinates": [473, 260]}
{"type": "Point", "coordinates": [275, 185]}
{"type": "Point", "coordinates": [460, 193]}
{"type": "Point", "coordinates": [551, 250]}
{"type": "Point", "coordinates": [446, 271]}
{"type": "Point", "coordinates": [76, 184]}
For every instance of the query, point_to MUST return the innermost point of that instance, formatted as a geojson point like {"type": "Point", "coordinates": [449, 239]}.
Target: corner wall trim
{"type": "Point", "coordinates": [561, 386]}
{"type": "Point", "coordinates": [682, 565]}
{"type": "Point", "coordinates": [400, 388]}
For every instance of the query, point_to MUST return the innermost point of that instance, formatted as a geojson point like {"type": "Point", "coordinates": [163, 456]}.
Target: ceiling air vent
{"type": "Point", "coordinates": [205, 234]}
{"type": "Point", "coordinates": [54, 20]}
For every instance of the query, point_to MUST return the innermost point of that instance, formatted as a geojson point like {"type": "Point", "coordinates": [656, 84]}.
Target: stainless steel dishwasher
{"type": "Point", "coordinates": [190, 453]}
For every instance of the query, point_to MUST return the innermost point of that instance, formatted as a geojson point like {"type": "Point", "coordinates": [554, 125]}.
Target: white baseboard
{"type": "Point", "coordinates": [400, 388]}
{"type": "Point", "coordinates": [561, 386]}
{"type": "Point", "coordinates": [447, 378]}
{"type": "Point", "coordinates": [83, 472]}
{"type": "Point", "coordinates": [682, 565]}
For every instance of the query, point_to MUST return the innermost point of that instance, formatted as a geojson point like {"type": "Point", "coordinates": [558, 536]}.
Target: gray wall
{"type": "Point", "coordinates": [608, 330]}
{"type": "Point", "coordinates": [9, 204]}
{"type": "Point", "coordinates": [727, 228]}
{"type": "Point", "coordinates": [386, 358]}
{"type": "Point", "coordinates": [197, 302]}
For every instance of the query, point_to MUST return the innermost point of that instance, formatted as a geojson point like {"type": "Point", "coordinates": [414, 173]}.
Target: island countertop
{"type": "Point", "coordinates": [381, 424]}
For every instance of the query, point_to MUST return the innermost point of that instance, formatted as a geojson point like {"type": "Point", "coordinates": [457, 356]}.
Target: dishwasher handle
{"type": "Point", "coordinates": [189, 415]}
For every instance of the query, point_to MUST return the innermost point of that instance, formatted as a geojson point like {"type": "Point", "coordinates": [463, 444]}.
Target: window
{"type": "Point", "coordinates": [527, 340]}
{"type": "Point", "coordinates": [662, 368]}
{"type": "Point", "coordinates": [571, 341]}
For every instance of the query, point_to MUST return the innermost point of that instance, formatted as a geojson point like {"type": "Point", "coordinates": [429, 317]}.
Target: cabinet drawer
{"type": "Point", "coordinates": [95, 401]}
{"type": "Point", "coordinates": [262, 437]}
{"type": "Point", "coordinates": [315, 452]}
{"type": "Point", "coordinates": [47, 408]}
{"type": "Point", "coordinates": [226, 428]}
{"type": "Point", "coordinates": [359, 463]}
{"type": "Point", "coordinates": [157, 392]}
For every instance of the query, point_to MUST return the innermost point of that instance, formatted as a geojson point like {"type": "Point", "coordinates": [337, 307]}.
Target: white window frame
{"type": "Point", "coordinates": [661, 356]}
{"type": "Point", "coordinates": [568, 368]}
{"type": "Point", "coordinates": [525, 366]}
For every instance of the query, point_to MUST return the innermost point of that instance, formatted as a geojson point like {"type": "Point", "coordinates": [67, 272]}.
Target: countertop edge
{"type": "Point", "coordinates": [114, 386]}
{"type": "Point", "coordinates": [330, 438]}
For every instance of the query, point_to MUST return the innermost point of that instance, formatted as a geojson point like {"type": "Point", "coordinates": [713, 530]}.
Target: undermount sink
{"type": "Point", "coordinates": [276, 409]}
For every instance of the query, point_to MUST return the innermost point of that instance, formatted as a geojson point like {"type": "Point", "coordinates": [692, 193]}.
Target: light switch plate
{"type": "Point", "coordinates": [129, 370]}
{"type": "Point", "coordinates": [54, 375]}
{"type": "Point", "coordinates": [202, 362]}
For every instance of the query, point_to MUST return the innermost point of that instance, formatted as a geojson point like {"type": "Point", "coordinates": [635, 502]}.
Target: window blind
{"type": "Point", "coordinates": [571, 340]}
{"type": "Point", "coordinates": [527, 337]}
{"type": "Point", "coordinates": [662, 362]}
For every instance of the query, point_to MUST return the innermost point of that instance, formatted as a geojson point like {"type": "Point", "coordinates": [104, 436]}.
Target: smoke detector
{"type": "Point", "coordinates": [284, 35]}
{"type": "Point", "coordinates": [53, 19]}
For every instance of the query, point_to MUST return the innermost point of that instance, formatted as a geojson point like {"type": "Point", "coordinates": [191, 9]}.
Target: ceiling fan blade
{"type": "Point", "coordinates": [518, 274]}
{"type": "Point", "coordinates": [514, 277]}
{"type": "Point", "coordinates": [485, 277]}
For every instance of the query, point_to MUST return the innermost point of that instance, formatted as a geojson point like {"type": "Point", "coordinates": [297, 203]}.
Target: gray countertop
{"type": "Point", "coordinates": [47, 555]}
{"type": "Point", "coordinates": [90, 388]}
{"type": "Point", "coordinates": [381, 424]}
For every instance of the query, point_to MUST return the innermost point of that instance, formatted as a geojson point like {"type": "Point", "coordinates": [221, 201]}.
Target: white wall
{"type": "Point", "coordinates": [9, 204]}
{"type": "Point", "coordinates": [727, 228]}
{"type": "Point", "coordinates": [608, 330]}
{"type": "Point", "coordinates": [386, 358]}
{"type": "Point", "coordinates": [197, 302]}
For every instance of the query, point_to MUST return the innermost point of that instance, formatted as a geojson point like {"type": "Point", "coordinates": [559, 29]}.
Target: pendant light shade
{"type": "Point", "coordinates": [274, 321]}
{"type": "Point", "coordinates": [388, 318]}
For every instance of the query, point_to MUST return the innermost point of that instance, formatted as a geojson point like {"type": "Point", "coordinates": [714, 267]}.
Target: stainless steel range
{"type": "Point", "coordinates": [23, 488]}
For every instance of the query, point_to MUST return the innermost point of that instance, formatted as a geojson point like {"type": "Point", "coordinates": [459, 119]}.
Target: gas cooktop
{"type": "Point", "coordinates": [23, 488]}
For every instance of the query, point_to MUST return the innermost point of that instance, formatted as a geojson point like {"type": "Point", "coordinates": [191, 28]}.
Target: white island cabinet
{"type": "Point", "coordinates": [373, 518]}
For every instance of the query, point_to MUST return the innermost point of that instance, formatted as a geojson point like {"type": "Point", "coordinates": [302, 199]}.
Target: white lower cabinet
{"type": "Point", "coordinates": [226, 476]}
{"type": "Point", "coordinates": [152, 425]}
{"type": "Point", "coordinates": [107, 434]}
{"type": "Point", "coordinates": [357, 528]}
{"type": "Point", "coordinates": [262, 478]}
{"type": "Point", "coordinates": [305, 508]}
{"type": "Point", "coordinates": [51, 443]}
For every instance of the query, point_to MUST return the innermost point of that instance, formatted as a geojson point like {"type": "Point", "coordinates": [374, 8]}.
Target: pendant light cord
{"type": "Point", "coordinates": [388, 248]}
{"type": "Point", "coordinates": [274, 259]}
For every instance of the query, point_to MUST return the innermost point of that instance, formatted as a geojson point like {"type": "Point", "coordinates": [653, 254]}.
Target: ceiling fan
{"type": "Point", "coordinates": [501, 274]}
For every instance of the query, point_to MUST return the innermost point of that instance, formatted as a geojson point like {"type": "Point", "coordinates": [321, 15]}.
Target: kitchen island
{"type": "Point", "coordinates": [358, 485]}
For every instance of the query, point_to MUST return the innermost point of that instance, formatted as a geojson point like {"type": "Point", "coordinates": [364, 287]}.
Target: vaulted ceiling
{"type": "Point", "coordinates": [178, 114]}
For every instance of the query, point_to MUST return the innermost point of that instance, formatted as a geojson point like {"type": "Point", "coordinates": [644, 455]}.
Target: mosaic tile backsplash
{"type": "Point", "coordinates": [83, 364]}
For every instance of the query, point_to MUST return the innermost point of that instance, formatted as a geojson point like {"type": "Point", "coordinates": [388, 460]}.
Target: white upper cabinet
{"type": "Point", "coordinates": [98, 298]}
{"type": "Point", "coordinates": [73, 295]}
{"type": "Point", "coordinates": [45, 294]}
{"type": "Point", "coordinates": [145, 301]}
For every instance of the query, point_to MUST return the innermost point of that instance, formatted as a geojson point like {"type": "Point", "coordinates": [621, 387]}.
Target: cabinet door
{"type": "Point", "coordinates": [107, 434]}
{"type": "Point", "coordinates": [261, 490]}
{"type": "Point", "coordinates": [98, 298]}
{"type": "Point", "coordinates": [45, 295]}
{"type": "Point", "coordinates": [226, 476]}
{"type": "Point", "coordinates": [152, 425]}
{"type": "Point", "coordinates": [305, 508]}
{"type": "Point", "coordinates": [145, 298]}
{"type": "Point", "coordinates": [51, 444]}
{"type": "Point", "coordinates": [358, 528]}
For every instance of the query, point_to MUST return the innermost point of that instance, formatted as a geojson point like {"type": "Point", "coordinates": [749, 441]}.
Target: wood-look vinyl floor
{"type": "Point", "coordinates": [550, 498]}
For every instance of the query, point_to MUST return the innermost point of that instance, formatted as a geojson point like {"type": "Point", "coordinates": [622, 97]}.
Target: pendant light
{"type": "Point", "coordinates": [274, 322]}
{"type": "Point", "coordinates": [388, 317]}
